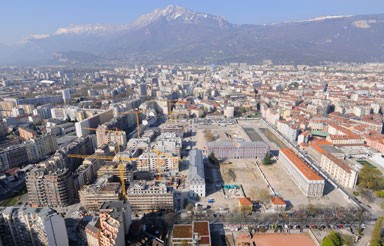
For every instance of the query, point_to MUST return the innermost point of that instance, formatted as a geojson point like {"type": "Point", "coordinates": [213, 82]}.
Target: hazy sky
{"type": "Point", "coordinates": [21, 18]}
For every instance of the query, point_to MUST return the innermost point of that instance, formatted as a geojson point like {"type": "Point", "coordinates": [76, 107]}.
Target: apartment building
{"type": "Point", "coordinates": [151, 195]}
{"type": "Point", "coordinates": [40, 147]}
{"type": "Point", "coordinates": [111, 168]}
{"type": "Point", "coordinates": [376, 143]}
{"type": "Point", "coordinates": [26, 134]}
{"type": "Point", "coordinates": [197, 233]}
{"type": "Point", "coordinates": [290, 131]}
{"type": "Point", "coordinates": [32, 226]}
{"type": "Point", "coordinates": [105, 136]}
{"type": "Point", "coordinates": [92, 122]}
{"type": "Point", "coordinates": [308, 181]}
{"type": "Point", "coordinates": [13, 156]}
{"type": "Point", "coordinates": [52, 186]}
{"type": "Point", "coordinates": [94, 195]}
{"type": "Point", "coordinates": [154, 162]}
{"type": "Point", "coordinates": [238, 150]}
{"type": "Point", "coordinates": [111, 230]}
{"type": "Point", "coordinates": [343, 172]}
{"type": "Point", "coordinates": [168, 142]}
{"type": "Point", "coordinates": [196, 174]}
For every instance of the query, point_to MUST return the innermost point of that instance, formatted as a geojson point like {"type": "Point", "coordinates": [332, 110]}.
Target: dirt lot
{"type": "Point", "coordinates": [248, 176]}
{"type": "Point", "coordinates": [285, 187]}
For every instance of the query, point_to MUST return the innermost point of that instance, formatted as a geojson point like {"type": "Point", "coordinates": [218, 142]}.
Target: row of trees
{"type": "Point", "coordinates": [376, 239]}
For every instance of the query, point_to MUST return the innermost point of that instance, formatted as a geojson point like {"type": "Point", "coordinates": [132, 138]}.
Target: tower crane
{"type": "Point", "coordinates": [110, 158]}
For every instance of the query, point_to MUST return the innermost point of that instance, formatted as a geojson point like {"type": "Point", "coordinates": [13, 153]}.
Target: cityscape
{"type": "Point", "coordinates": [218, 146]}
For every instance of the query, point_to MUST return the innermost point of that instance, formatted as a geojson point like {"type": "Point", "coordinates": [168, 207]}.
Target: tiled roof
{"type": "Point", "coordinates": [304, 168]}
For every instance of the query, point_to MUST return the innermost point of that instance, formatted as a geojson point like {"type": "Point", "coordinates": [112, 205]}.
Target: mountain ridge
{"type": "Point", "coordinates": [176, 34]}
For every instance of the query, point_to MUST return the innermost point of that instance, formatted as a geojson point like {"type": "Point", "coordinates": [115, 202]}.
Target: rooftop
{"type": "Point", "coordinates": [304, 168]}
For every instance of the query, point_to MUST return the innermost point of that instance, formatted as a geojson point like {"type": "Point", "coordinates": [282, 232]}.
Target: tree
{"type": "Point", "coordinates": [267, 159]}
{"type": "Point", "coordinates": [212, 158]}
{"type": "Point", "coordinates": [333, 239]}
{"type": "Point", "coordinates": [189, 207]}
{"type": "Point", "coordinates": [376, 233]}
{"type": "Point", "coordinates": [370, 178]}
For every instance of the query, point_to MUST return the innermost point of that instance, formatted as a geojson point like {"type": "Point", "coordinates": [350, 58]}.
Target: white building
{"type": "Point", "coordinates": [309, 182]}
{"type": "Point", "coordinates": [196, 174]}
{"type": "Point", "coordinates": [66, 96]}
{"type": "Point", "coordinates": [229, 112]}
{"type": "Point", "coordinates": [32, 226]}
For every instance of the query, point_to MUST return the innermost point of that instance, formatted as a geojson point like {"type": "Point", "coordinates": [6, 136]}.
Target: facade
{"type": "Point", "coordinates": [52, 186]}
{"type": "Point", "coordinates": [153, 162]}
{"type": "Point", "coordinates": [340, 170]}
{"type": "Point", "coordinates": [13, 156]}
{"type": "Point", "coordinates": [92, 232]}
{"type": "Point", "coordinates": [26, 134]}
{"type": "Point", "coordinates": [111, 231]}
{"type": "Point", "coordinates": [198, 233]}
{"type": "Point", "coordinates": [309, 182]}
{"type": "Point", "coordinates": [238, 150]}
{"type": "Point", "coordinates": [66, 94]}
{"type": "Point", "coordinates": [196, 174]}
{"type": "Point", "coordinates": [104, 136]}
{"type": "Point", "coordinates": [40, 147]}
{"type": "Point", "coordinates": [32, 226]}
{"type": "Point", "coordinates": [92, 122]}
{"type": "Point", "coordinates": [150, 196]}
{"type": "Point", "coordinates": [168, 142]}
{"type": "Point", "coordinates": [245, 205]}
{"type": "Point", "coordinates": [94, 195]}
{"type": "Point", "coordinates": [229, 112]}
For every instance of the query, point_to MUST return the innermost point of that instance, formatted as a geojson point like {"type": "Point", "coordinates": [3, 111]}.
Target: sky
{"type": "Point", "coordinates": [21, 18]}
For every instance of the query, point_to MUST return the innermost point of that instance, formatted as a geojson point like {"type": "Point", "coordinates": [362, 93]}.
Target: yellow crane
{"type": "Point", "coordinates": [137, 112]}
{"type": "Point", "coordinates": [110, 158]}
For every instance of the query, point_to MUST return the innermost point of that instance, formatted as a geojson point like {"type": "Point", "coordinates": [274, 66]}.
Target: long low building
{"type": "Point", "coordinates": [309, 182]}
{"type": "Point", "coordinates": [238, 150]}
{"type": "Point", "coordinates": [196, 174]}
{"type": "Point", "coordinates": [150, 196]}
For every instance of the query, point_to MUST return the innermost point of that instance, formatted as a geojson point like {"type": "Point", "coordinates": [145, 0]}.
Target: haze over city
{"type": "Point", "coordinates": [192, 123]}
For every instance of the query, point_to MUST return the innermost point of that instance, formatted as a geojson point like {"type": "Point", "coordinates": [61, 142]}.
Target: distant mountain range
{"type": "Point", "coordinates": [178, 35]}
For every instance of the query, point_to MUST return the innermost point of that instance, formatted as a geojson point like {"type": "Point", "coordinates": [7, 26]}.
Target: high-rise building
{"type": "Point", "coordinates": [32, 226]}
{"type": "Point", "coordinates": [66, 94]}
{"type": "Point", "coordinates": [52, 186]}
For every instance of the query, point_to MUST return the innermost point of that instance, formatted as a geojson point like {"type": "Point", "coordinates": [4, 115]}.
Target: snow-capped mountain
{"type": "Point", "coordinates": [176, 34]}
{"type": "Point", "coordinates": [174, 13]}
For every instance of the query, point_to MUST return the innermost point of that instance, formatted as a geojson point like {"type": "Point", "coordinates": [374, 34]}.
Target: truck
{"type": "Point", "coordinates": [211, 200]}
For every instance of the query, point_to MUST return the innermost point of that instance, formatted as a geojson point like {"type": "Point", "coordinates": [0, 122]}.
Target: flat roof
{"type": "Point", "coordinates": [303, 168]}
{"type": "Point", "coordinates": [182, 231]}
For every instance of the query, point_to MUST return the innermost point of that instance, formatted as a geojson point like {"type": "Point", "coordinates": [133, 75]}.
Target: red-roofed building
{"type": "Point", "coordinates": [245, 205]}
{"type": "Point", "coordinates": [338, 169]}
{"type": "Point", "coordinates": [198, 233]}
{"type": "Point", "coordinates": [278, 204]}
{"type": "Point", "coordinates": [309, 182]}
